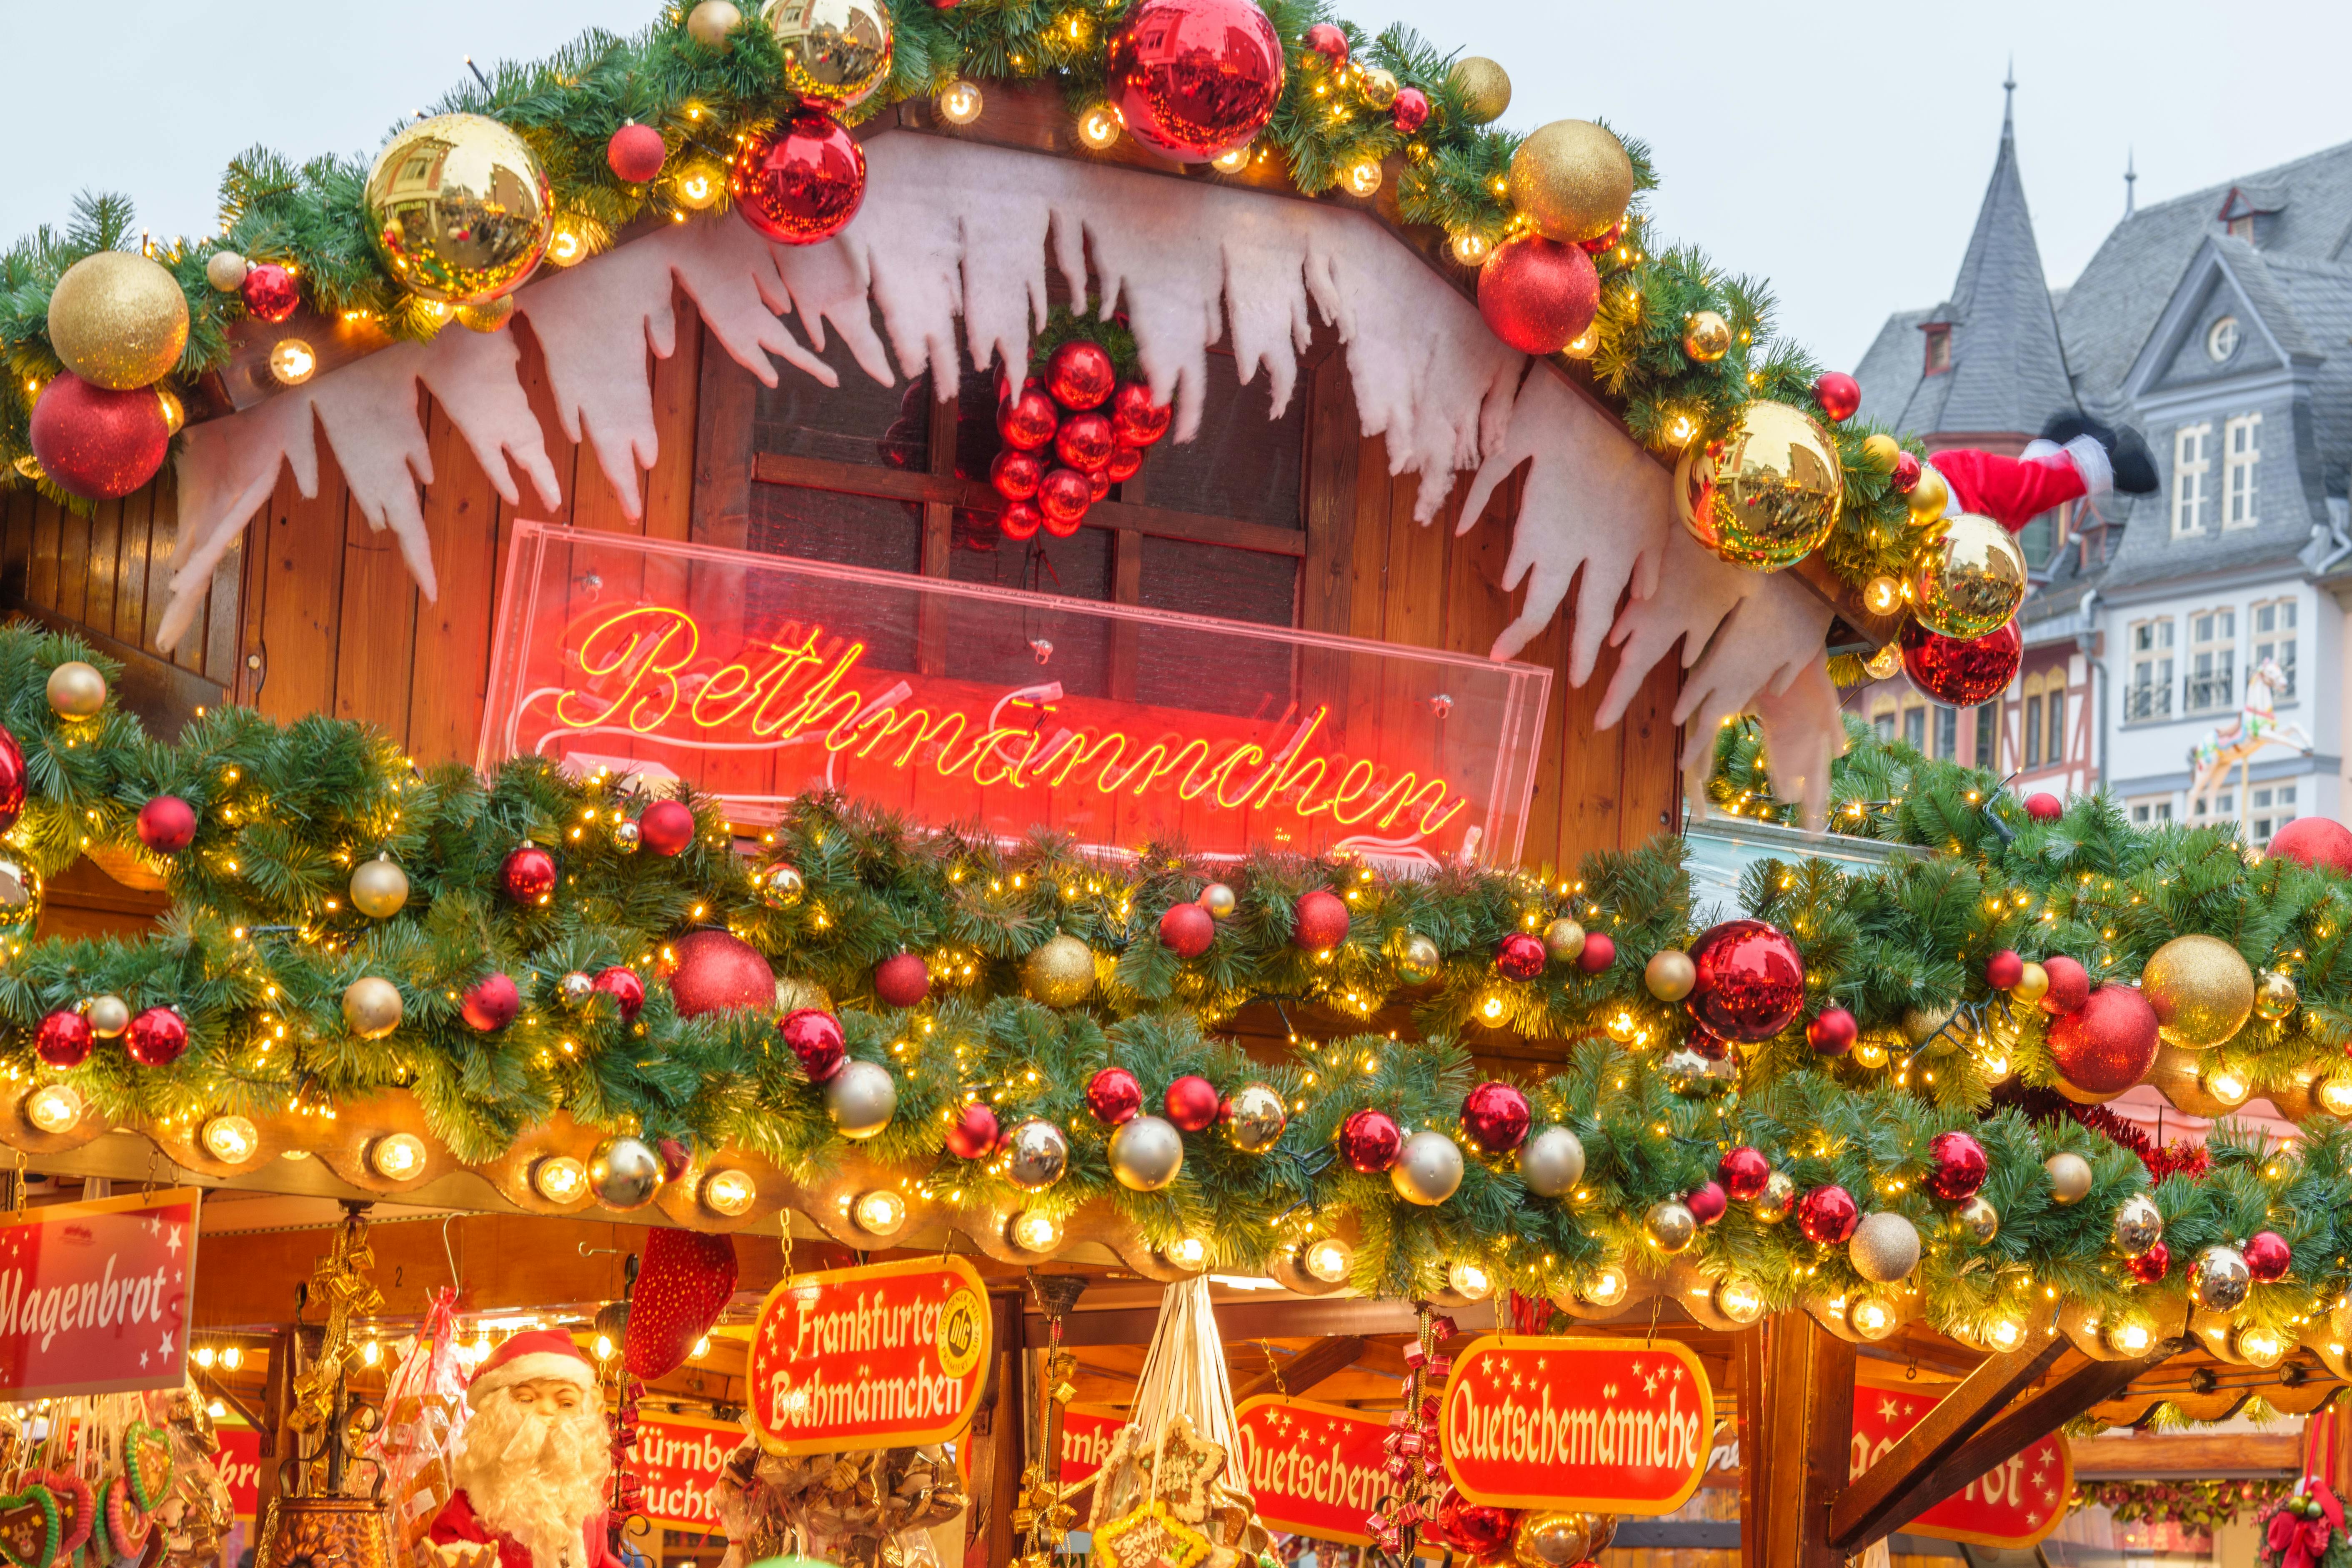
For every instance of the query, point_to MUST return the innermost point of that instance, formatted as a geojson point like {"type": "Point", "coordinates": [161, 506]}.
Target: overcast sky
{"type": "Point", "coordinates": [1839, 151]}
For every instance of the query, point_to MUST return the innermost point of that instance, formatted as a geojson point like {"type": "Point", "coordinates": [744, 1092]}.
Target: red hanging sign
{"type": "Point", "coordinates": [239, 1463]}
{"type": "Point", "coordinates": [1086, 1441]}
{"type": "Point", "coordinates": [1315, 1469]}
{"type": "Point", "coordinates": [678, 1460]}
{"type": "Point", "coordinates": [2014, 1504]}
{"type": "Point", "coordinates": [887, 1355]}
{"type": "Point", "coordinates": [94, 1296]}
{"type": "Point", "coordinates": [1606, 1425]}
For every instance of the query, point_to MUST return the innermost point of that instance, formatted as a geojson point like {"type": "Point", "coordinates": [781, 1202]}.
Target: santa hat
{"type": "Point", "coordinates": [541, 1353]}
{"type": "Point", "coordinates": [2074, 457]}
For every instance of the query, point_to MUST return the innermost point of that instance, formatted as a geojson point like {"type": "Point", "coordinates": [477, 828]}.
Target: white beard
{"type": "Point", "coordinates": [533, 1476]}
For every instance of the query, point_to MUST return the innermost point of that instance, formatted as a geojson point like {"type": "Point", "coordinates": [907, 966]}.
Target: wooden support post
{"type": "Point", "coordinates": [1748, 1355]}
{"type": "Point", "coordinates": [1323, 1358]}
{"type": "Point", "coordinates": [2026, 1423]}
{"type": "Point", "coordinates": [1804, 1422]}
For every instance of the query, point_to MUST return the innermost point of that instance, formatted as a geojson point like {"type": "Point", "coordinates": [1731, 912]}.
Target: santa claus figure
{"type": "Point", "coordinates": [531, 1466]}
{"type": "Point", "coordinates": [2074, 457]}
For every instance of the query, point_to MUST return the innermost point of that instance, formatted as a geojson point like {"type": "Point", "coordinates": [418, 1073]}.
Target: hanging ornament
{"type": "Point", "coordinates": [1191, 1103]}
{"type": "Point", "coordinates": [813, 1036]}
{"type": "Point", "coordinates": [528, 874]}
{"type": "Point", "coordinates": [1192, 78]}
{"type": "Point", "coordinates": [719, 971]}
{"type": "Point", "coordinates": [2201, 990]}
{"type": "Point", "coordinates": [575, 987]}
{"type": "Point", "coordinates": [972, 1134]}
{"type": "Point", "coordinates": [490, 1004]}
{"type": "Point", "coordinates": [1113, 1096]}
{"type": "Point", "coordinates": [625, 1172]}
{"type": "Point", "coordinates": [1081, 376]}
{"type": "Point", "coordinates": [626, 834]}
{"type": "Point", "coordinates": [2321, 843]}
{"type": "Point", "coordinates": [1923, 1026]}
{"type": "Point", "coordinates": [1479, 1529]}
{"type": "Point", "coordinates": [167, 824]}
{"type": "Point", "coordinates": [902, 980]}
{"type": "Point", "coordinates": [2274, 997]}
{"type": "Point", "coordinates": [1411, 110]}
{"type": "Point", "coordinates": [156, 1038]}
{"type": "Point", "coordinates": [1028, 419]}
{"type": "Point", "coordinates": [1906, 470]}
{"type": "Point", "coordinates": [1484, 89]}
{"type": "Point", "coordinates": [1063, 496]}
{"type": "Point", "coordinates": [1494, 1117]}
{"type": "Point", "coordinates": [95, 442]}
{"type": "Point", "coordinates": [1552, 1162]}
{"type": "Point", "coordinates": [1961, 673]}
{"type": "Point", "coordinates": [269, 292]}
{"type": "Point", "coordinates": [627, 990]}
{"type": "Point", "coordinates": [1138, 421]}
{"type": "Point", "coordinates": [2067, 985]}
{"type": "Point", "coordinates": [1670, 974]}
{"type": "Point", "coordinates": [1220, 901]}
{"type": "Point", "coordinates": [1832, 1033]}
{"type": "Point", "coordinates": [2268, 1256]}
{"type": "Point", "coordinates": [76, 691]}
{"type": "Point", "coordinates": [1327, 41]}
{"type": "Point", "coordinates": [12, 781]}
{"type": "Point", "coordinates": [836, 52]}
{"type": "Point", "coordinates": [109, 1015]}
{"type": "Point", "coordinates": [1428, 1169]}
{"type": "Point", "coordinates": [2070, 1176]}
{"type": "Point", "coordinates": [781, 886]}
{"type": "Point", "coordinates": [1321, 920]}
{"type": "Point", "coordinates": [1970, 580]}
{"type": "Point", "coordinates": [665, 827]}
{"type": "Point", "coordinates": [1014, 473]}
{"type": "Point", "coordinates": [1750, 980]}
{"type": "Point", "coordinates": [1839, 394]}
{"type": "Point", "coordinates": [1255, 1117]}
{"type": "Point", "coordinates": [1669, 1226]}
{"type": "Point", "coordinates": [485, 315]}
{"type": "Point", "coordinates": [20, 894]}
{"type": "Point", "coordinates": [372, 1007]}
{"type": "Point", "coordinates": [1564, 941]}
{"type": "Point", "coordinates": [226, 270]}
{"type": "Point", "coordinates": [2151, 1267]}
{"type": "Point", "coordinates": [1707, 1202]}
{"type": "Point", "coordinates": [1778, 1198]}
{"type": "Point", "coordinates": [1978, 1218]}
{"type": "Point", "coordinates": [711, 23]}
{"type": "Point", "coordinates": [1537, 294]}
{"type": "Point", "coordinates": [634, 152]}
{"type": "Point", "coordinates": [379, 888]}
{"type": "Point", "coordinates": [2139, 1224]}
{"type": "Point", "coordinates": [2104, 1046]}
{"type": "Point", "coordinates": [1020, 520]}
{"type": "Point", "coordinates": [118, 319]}
{"type": "Point", "coordinates": [1600, 952]}
{"type": "Point", "coordinates": [1572, 180]}
{"type": "Point", "coordinates": [1369, 1142]}
{"type": "Point", "coordinates": [1958, 1166]}
{"type": "Point", "coordinates": [795, 993]}
{"type": "Point", "coordinates": [1706, 336]}
{"type": "Point", "coordinates": [1519, 956]}
{"type": "Point", "coordinates": [1765, 494]}
{"type": "Point", "coordinates": [1743, 1172]}
{"type": "Point", "coordinates": [1928, 498]}
{"type": "Point", "coordinates": [861, 1099]}
{"type": "Point", "coordinates": [2218, 1280]}
{"type": "Point", "coordinates": [799, 182]}
{"type": "Point", "coordinates": [1060, 972]}
{"type": "Point", "coordinates": [64, 1039]}
{"type": "Point", "coordinates": [1885, 1249]}
{"type": "Point", "coordinates": [458, 208]}
{"type": "Point", "coordinates": [1085, 442]}
{"type": "Point", "coordinates": [1827, 1215]}
{"type": "Point", "coordinates": [1146, 1154]}
{"type": "Point", "coordinates": [2003, 970]}
{"type": "Point", "coordinates": [1418, 960]}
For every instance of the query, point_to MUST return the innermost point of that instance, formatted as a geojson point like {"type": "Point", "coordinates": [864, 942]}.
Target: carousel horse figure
{"type": "Point", "coordinates": [2234, 744]}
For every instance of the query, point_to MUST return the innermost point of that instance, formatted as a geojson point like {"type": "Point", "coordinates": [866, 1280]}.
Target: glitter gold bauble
{"type": "Point", "coordinates": [77, 691]}
{"type": "Point", "coordinates": [371, 1006]}
{"type": "Point", "coordinates": [379, 888]}
{"type": "Point", "coordinates": [1061, 974]}
{"type": "Point", "coordinates": [1971, 581]}
{"type": "Point", "coordinates": [836, 52]}
{"type": "Point", "coordinates": [2201, 990]}
{"type": "Point", "coordinates": [1885, 1247]}
{"type": "Point", "coordinates": [2275, 997]}
{"type": "Point", "coordinates": [1484, 86]}
{"type": "Point", "coordinates": [226, 270]}
{"type": "Point", "coordinates": [1571, 179]}
{"type": "Point", "coordinates": [458, 208]}
{"type": "Point", "coordinates": [1706, 336]}
{"type": "Point", "coordinates": [118, 319]}
{"type": "Point", "coordinates": [1564, 941]}
{"type": "Point", "coordinates": [1765, 495]}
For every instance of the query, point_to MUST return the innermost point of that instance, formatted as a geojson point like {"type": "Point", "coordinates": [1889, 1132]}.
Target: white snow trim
{"type": "Point", "coordinates": [528, 1369]}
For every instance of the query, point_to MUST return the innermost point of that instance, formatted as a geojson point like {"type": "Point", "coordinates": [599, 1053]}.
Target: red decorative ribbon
{"type": "Point", "coordinates": [2301, 1543]}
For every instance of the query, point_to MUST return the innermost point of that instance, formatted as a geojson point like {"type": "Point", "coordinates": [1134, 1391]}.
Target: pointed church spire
{"type": "Point", "coordinates": [2009, 103]}
{"type": "Point", "coordinates": [2131, 179]}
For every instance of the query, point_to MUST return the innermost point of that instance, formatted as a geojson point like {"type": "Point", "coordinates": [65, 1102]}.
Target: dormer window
{"type": "Point", "coordinates": [2249, 212]}
{"type": "Point", "coordinates": [1940, 347]}
{"type": "Point", "coordinates": [2242, 227]}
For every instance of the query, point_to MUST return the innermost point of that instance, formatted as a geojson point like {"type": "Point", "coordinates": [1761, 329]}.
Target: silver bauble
{"type": "Point", "coordinates": [1255, 1117]}
{"type": "Point", "coordinates": [108, 1016]}
{"type": "Point", "coordinates": [1773, 1204]}
{"type": "Point", "coordinates": [1979, 1220]}
{"type": "Point", "coordinates": [577, 986]}
{"type": "Point", "coordinates": [1669, 1226]}
{"type": "Point", "coordinates": [1428, 1170]}
{"type": "Point", "coordinates": [2139, 1225]}
{"type": "Point", "coordinates": [861, 1096]}
{"type": "Point", "coordinates": [1885, 1247]}
{"type": "Point", "coordinates": [625, 1172]}
{"type": "Point", "coordinates": [2218, 1280]}
{"type": "Point", "coordinates": [2070, 1177]}
{"type": "Point", "coordinates": [627, 834]}
{"type": "Point", "coordinates": [1145, 1152]}
{"type": "Point", "coordinates": [1036, 1154]}
{"type": "Point", "coordinates": [1552, 1162]}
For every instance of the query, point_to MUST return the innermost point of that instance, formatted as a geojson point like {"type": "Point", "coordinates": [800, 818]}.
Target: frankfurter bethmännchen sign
{"type": "Point", "coordinates": [1605, 1425]}
{"type": "Point", "coordinates": [878, 1357]}
{"type": "Point", "coordinates": [94, 1296]}
{"type": "Point", "coordinates": [1314, 1470]}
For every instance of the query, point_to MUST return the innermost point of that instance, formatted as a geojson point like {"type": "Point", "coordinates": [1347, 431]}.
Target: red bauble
{"type": "Point", "coordinates": [2106, 1045]}
{"type": "Point", "coordinates": [490, 1004]}
{"type": "Point", "coordinates": [1192, 78]}
{"type": "Point", "coordinates": [665, 827]}
{"type": "Point", "coordinates": [1714, 1048]}
{"type": "Point", "coordinates": [1187, 930]}
{"type": "Point", "coordinates": [269, 292]}
{"type": "Point", "coordinates": [2070, 986]}
{"type": "Point", "coordinates": [1604, 242]}
{"type": "Point", "coordinates": [1599, 953]}
{"type": "Point", "coordinates": [1085, 442]}
{"type": "Point", "coordinates": [1495, 1118]}
{"type": "Point", "coordinates": [1832, 1033]}
{"type": "Point", "coordinates": [718, 970]}
{"type": "Point", "coordinates": [1750, 980]}
{"type": "Point", "coordinates": [636, 153]}
{"type": "Point", "coordinates": [1961, 672]}
{"type": "Point", "coordinates": [1098, 480]}
{"type": "Point", "coordinates": [1327, 41]}
{"type": "Point", "coordinates": [1080, 375]}
{"type": "Point", "coordinates": [2004, 969]}
{"type": "Point", "coordinates": [1062, 496]}
{"type": "Point", "coordinates": [2151, 1267]}
{"type": "Point", "coordinates": [1906, 472]}
{"type": "Point", "coordinates": [901, 981]}
{"type": "Point", "coordinates": [800, 182]}
{"type": "Point", "coordinates": [1369, 1142]}
{"type": "Point", "coordinates": [2268, 1256]}
{"type": "Point", "coordinates": [627, 990]}
{"type": "Point", "coordinates": [1191, 1102]}
{"type": "Point", "coordinates": [12, 780]}
{"type": "Point", "coordinates": [1411, 109]}
{"type": "Point", "coordinates": [2043, 806]}
{"type": "Point", "coordinates": [1959, 1166]}
{"type": "Point", "coordinates": [1838, 393]}
{"type": "Point", "coordinates": [813, 1036]}
{"type": "Point", "coordinates": [156, 1038]}
{"type": "Point", "coordinates": [2319, 842]}
{"type": "Point", "coordinates": [1707, 1202]}
{"type": "Point", "coordinates": [1113, 1096]}
{"type": "Point", "coordinates": [1137, 420]}
{"type": "Point", "coordinates": [1744, 1172]}
{"type": "Point", "coordinates": [1520, 955]}
{"type": "Point", "coordinates": [1537, 294]}
{"type": "Point", "coordinates": [1123, 463]}
{"type": "Point", "coordinates": [1828, 1214]}
{"type": "Point", "coordinates": [167, 824]}
{"type": "Point", "coordinates": [528, 875]}
{"type": "Point", "coordinates": [1028, 420]}
{"type": "Point", "coordinates": [1015, 473]}
{"type": "Point", "coordinates": [1481, 1530]}
{"type": "Point", "coordinates": [95, 441]}
{"type": "Point", "coordinates": [1020, 520]}
{"type": "Point", "coordinates": [1322, 921]}
{"type": "Point", "coordinates": [63, 1038]}
{"type": "Point", "coordinates": [972, 1134]}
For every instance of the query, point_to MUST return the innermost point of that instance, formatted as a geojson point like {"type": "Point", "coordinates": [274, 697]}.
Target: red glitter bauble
{"type": "Point", "coordinates": [2004, 969]}
{"type": "Point", "coordinates": [1138, 421]}
{"type": "Point", "coordinates": [1962, 671]}
{"type": "Point", "coordinates": [12, 780]}
{"type": "Point", "coordinates": [1369, 1142]}
{"type": "Point", "coordinates": [1085, 442]}
{"type": "Point", "coordinates": [1832, 1033]}
{"type": "Point", "coordinates": [2268, 1256]}
{"type": "Point", "coordinates": [1520, 955]}
{"type": "Point", "coordinates": [1191, 1102]}
{"type": "Point", "coordinates": [902, 980]}
{"type": "Point", "coordinates": [95, 441]}
{"type": "Point", "coordinates": [627, 990]}
{"type": "Point", "coordinates": [528, 875]}
{"type": "Point", "coordinates": [156, 1038]}
{"type": "Point", "coordinates": [1750, 980]}
{"type": "Point", "coordinates": [1479, 1529]}
{"type": "Point", "coordinates": [1124, 462]}
{"type": "Point", "coordinates": [1906, 472]}
{"type": "Point", "coordinates": [1187, 930]}
{"type": "Point", "coordinates": [1080, 375]}
{"type": "Point", "coordinates": [1029, 419]}
{"type": "Point", "coordinates": [1495, 1118]}
{"type": "Point", "coordinates": [665, 827]}
{"type": "Point", "coordinates": [269, 292]}
{"type": "Point", "coordinates": [636, 153]}
{"type": "Point", "coordinates": [1838, 393]}
{"type": "Point", "coordinates": [972, 1134]}
{"type": "Point", "coordinates": [801, 182]}
{"type": "Point", "coordinates": [1537, 294]}
{"type": "Point", "coordinates": [813, 1036]}
{"type": "Point", "coordinates": [1063, 496]}
{"type": "Point", "coordinates": [1743, 1172]}
{"type": "Point", "coordinates": [490, 1004]}
{"type": "Point", "coordinates": [1599, 953]}
{"type": "Point", "coordinates": [1411, 109]}
{"type": "Point", "coordinates": [717, 971]}
{"type": "Point", "coordinates": [1113, 1096]}
{"type": "Point", "coordinates": [2319, 842]}
{"type": "Point", "coordinates": [2151, 1267]}
{"type": "Point", "coordinates": [1604, 242]}
{"type": "Point", "coordinates": [1015, 473]}
{"type": "Point", "coordinates": [1192, 78]}
{"type": "Point", "coordinates": [63, 1038]}
{"type": "Point", "coordinates": [2070, 986]}
{"type": "Point", "coordinates": [167, 823]}
{"type": "Point", "coordinates": [1959, 1166]}
{"type": "Point", "coordinates": [2106, 1045]}
{"type": "Point", "coordinates": [1322, 921]}
{"type": "Point", "coordinates": [1828, 1214]}
{"type": "Point", "coordinates": [1022, 519]}
{"type": "Point", "coordinates": [2043, 806]}
{"type": "Point", "coordinates": [1707, 1202]}
{"type": "Point", "coordinates": [1327, 41]}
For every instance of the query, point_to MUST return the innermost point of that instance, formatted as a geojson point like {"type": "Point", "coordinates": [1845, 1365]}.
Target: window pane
{"type": "Point", "coordinates": [1242, 463]}
{"type": "Point", "coordinates": [1210, 580]}
{"type": "Point", "coordinates": [2033, 731]}
{"type": "Point", "coordinates": [1914, 728]}
{"type": "Point", "coordinates": [857, 422]}
{"type": "Point", "coordinates": [2057, 750]}
{"type": "Point", "coordinates": [1987, 733]}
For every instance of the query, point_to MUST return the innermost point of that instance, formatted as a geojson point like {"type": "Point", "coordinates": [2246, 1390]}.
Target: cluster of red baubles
{"type": "Point", "coordinates": [1190, 1102]}
{"type": "Point", "coordinates": [155, 1037]}
{"type": "Point", "coordinates": [1495, 1117]}
{"type": "Point", "coordinates": [1069, 437]}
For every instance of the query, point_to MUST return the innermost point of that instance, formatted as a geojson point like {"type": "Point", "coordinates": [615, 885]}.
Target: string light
{"type": "Point", "coordinates": [1739, 1301]}
{"type": "Point", "coordinates": [729, 1193]}
{"type": "Point", "coordinates": [959, 102]}
{"type": "Point", "coordinates": [559, 1178]}
{"type": "Point", "coordinates": [1364, 177]}
{"type": "Point", "coordinates": [1231, 161]}
{"type": "Point", "coordinates": [1328, 1259]}
{"type": "Point", "coordinates": [1608, 1287]}
{"type": "Point", "coordinates": [397, 1156]}
{"type": "Point", "coordinates": [53, 1108]}
{"type": "Point", "coordinates": [1099, 127]}
{"type": "Point", "coordinates": [881, 1212]}
{"type": "Point", "coordinates": [1034, 1230]}
{"type": "Point", "coordinates": [231, 1139]}
{"type": "Point", "coordinates": [1470, 248]}
{"type": "Point", "coordinates": [292, 361]}
{"type": "Point", "coordinates": [1469, 1280]}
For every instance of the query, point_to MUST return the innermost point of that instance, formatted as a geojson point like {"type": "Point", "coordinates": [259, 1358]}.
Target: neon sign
{"type": "Point", "coordinates": [755, 678]}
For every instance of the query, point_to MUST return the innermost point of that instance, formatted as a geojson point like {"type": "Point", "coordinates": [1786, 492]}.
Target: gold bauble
{"type": "Point", "coordinates": [710, 22]}
{"type": "Point", "coordinates": [1571, 179]}
{"type": "Point", "coordinates": [226, 270]}
{"type": "Point", "coordinates": [1765, 495]}
{"type": "Point", "coordinates": [1484, 86]}
{"type": "Point", "coordinates": [1670, 974]}
{"type": "Point", "coordinates": [109, 1015]}
{"type": "Point", "coordinates": [1061, 974]}
{"type": "Point", "coordinates": [20, 894]}
{"type": "Point", "coordinates": [1706, 336]}
{"type": "Point", "coordinates": [1552, 1538]}
{"type": "Point", "coordinates": [1563, 940]}
{"type": "Point", "coordinates": [487, 315]}
{"type": "Point", "coordinates": [1379, 88]}
{"type": "Point", "coordinates": [77, 691]}
{"type": "Point", "coordinates": [1921, 1025]}
{"type": "Point", "coordinates": [836, 52]}
{"type": "Point", "coordinates": [1970, 580]}
{"type": "Point", "coordinates": [458, 208]}
{"type": "Point", "coordinates": [1929, 498]}
{"type": "Point", "coordinates": [2033, 984]}
{"type": "Point", "coordinates": [1418, 959]}
{"type": "Point", "coordinates": [2274, 997]}
{"type": "Point", "coordinates": [118, 319]}
{"type": "Point", "coordinates": [371, 1006]}
{"type": "Point", "coordinates": [2201, 990]}
{"type": "Point", "coordinates": [379, 888]}
{"type": "Point", "coordinates": [176, 413]}
{"type": "Point", "coordinates": [793, 994]}
{"type": "Point", "coordinates": [1882, 452]}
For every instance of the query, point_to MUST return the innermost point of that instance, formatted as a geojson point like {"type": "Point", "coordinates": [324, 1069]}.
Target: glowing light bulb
{"type": "Point", "coordinates": [370, 1352]}
{"type": "Point", "coordinates": [232, 1357]}
{"type": "Point", "coordinates": [603, 1347]}
{"type": "Point", "coordinates": [959, 102]}
{"type": "Point", "coordinates": [397, 1156]}
{"type": "Point", "coordinates": [2264, 1347]}
{"type": "Point", "coordinates": [559, 1178]}
{"type": "Point", "coordinates": [881, 1212]}
{"type": "Point", "coordinates": [2005, 1335]}
{"type": "Point", "coordinates": [1327, 1260]}
{"type": "Point", "coordinates": [2335, 1096]}
{"type": "Point", "coordinates": [1870, 1053]}
{"type": "Point", "coordinates": [204, 1356]}
{"type": "Point", "coordinates": [1608, 1287]}
{"type": "Point", "coordinates": [1469, 1281]}
{"type": "Point", "coordinates": [1680, 429]}
{"type": "Point", "coordinates": [2228, 1085]}
{"type": "Point", "coordinates": [1470, 249]}
{"type": "Point", "coordinates": [1871, 1318]}
{"type": "Point", "coordinates": [1364, 178]}
{"type": "Point", "coordinates": [1739, 1301]}
{"type": "Point", "coordinates": [2129, 1338]}
{"type": "Point", "coordinates": [53, 1108]}
{"type": "Point", "coordinates": [567, 245]}
{"type": "Point", "coordinates": [1582, 345]}
{"type": "Point", "coordinates": [292, 361]}
{"type": "Point", "coordinates": [1099, 127]}
{"type": "Point", "coordinates": [1034, 1230]}
{"type": "Point", "coordinates": [697, 184]}
{"type": "Point", "coordinates": [1882, 595]}
{"type": "Point", "coordinates": [1188, 1252]}
{"type": "Point", "coordinates": [702, 1347]}
{"type": "Point", "coordinates": [231, 1139]}
{"type": "Point", "coordinates": [216, 1410]}
{"type": "Point", "coordinates": [1231, 161]}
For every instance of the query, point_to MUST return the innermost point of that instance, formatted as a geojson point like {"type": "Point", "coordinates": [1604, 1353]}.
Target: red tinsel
{"type": "Point", "coordinates": [2188, 1159]}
